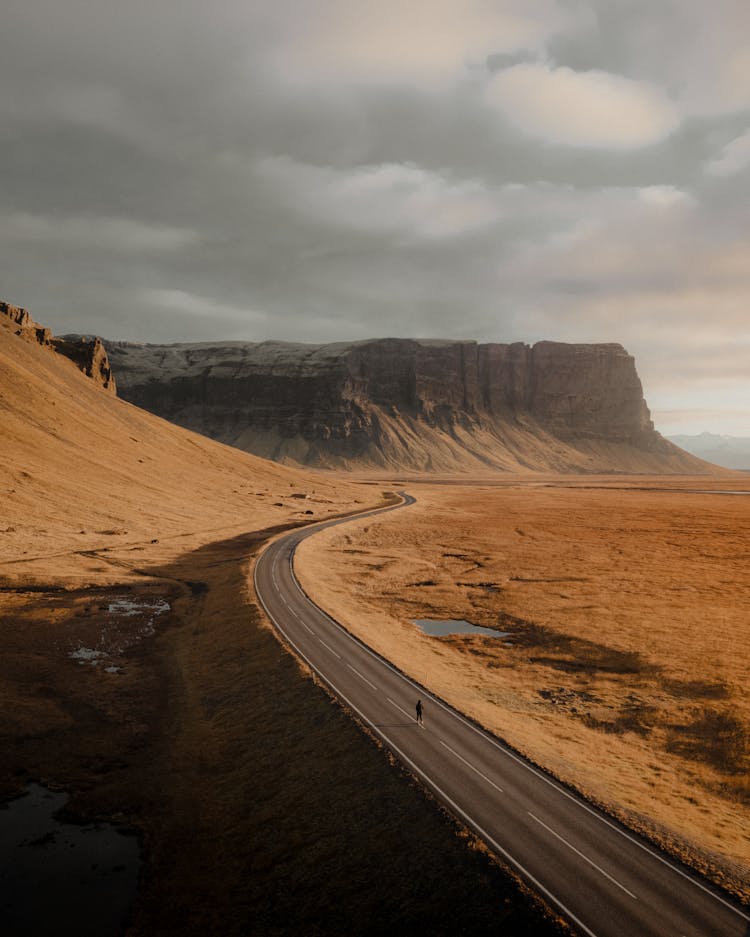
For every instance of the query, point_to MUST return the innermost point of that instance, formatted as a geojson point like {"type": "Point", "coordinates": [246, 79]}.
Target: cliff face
{"type": "Point", "coordinates": [88, 354]}
{"type": "Point", "coordinates": [91, 357]}
{"type": "Point", "coordinates": [421, 405]}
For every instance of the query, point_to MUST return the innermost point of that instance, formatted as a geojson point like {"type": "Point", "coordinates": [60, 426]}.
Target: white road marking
{"type": "Point", "coordinates": [329, 648]}
{"type": "Point", "coordinates": [362, 676]}
{"type": "Point", "coordinates": [441, 793]}
{"type": "Point", "coordinates": [408, 715]}
{"type": "Point", "coordinates": [584, 857]}
{"type": "Point", "coordinates": [470, 765]}
{"type": "Point", "coordinates": [298, 617]}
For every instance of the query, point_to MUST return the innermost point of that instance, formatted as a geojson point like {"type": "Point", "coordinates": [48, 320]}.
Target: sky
{"type": "Point", "coordinates": [328, 170]}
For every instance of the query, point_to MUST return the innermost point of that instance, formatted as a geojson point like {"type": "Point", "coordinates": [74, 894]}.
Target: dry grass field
{"type": "Point", "coordinates": [627, 602]}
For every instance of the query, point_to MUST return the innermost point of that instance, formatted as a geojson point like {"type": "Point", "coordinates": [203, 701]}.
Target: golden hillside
{"type": "Point", "coordinates": [82, 468]}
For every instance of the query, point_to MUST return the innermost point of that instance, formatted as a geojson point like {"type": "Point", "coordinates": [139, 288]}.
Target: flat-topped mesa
{"type": "Point", "coordinates": [407, 403]}
{"type": "Point", "coordinates": [589, 390]}
{"type": "Point", "coordinates": [574, 390]}
{"type": "Point", "coordinates": [88, 354]}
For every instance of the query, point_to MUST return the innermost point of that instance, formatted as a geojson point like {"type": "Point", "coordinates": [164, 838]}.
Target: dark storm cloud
{"type": "Point", "coordinates": [331, 170]}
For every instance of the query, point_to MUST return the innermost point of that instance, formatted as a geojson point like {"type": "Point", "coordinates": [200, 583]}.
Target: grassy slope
{"type": "Point", "coordinates": [405, 444]}
{"type": "Point", "coordinates": [76, 461]}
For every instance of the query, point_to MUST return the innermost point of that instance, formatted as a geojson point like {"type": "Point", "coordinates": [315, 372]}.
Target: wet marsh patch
{"type": "Point", "coordinates": [115, 625]}
{"type": "Point", "coordinates": [80, 675]}
{"type": "Point", "coordinates": [86, 873]}
{"type": "Point", "coordinates": [438, 628]}
{"type": "Point", "coordinates": [85, 625]}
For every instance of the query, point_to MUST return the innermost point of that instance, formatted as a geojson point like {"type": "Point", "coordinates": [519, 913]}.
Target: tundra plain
{"type": "Point", "coordinates": [627, 603]}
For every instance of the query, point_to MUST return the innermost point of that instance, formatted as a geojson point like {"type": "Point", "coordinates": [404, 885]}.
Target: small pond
{"type": "Point", "coordinates": [62, 878]}
{"type": "Point", "coordinates": [438, 628]}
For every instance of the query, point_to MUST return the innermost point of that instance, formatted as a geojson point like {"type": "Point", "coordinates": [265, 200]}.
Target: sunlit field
{"type": "Point", "coordinates": [627, 608]}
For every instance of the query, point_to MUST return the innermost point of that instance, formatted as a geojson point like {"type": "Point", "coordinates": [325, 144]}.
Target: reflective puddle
{"type": "Point", "coordinates": [438, 628]}
{"type": "Point", "coordinates": [61, 878]}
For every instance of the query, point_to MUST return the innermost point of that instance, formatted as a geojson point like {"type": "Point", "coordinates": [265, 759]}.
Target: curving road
{"type": "Point", "coordinates": [600, 876]}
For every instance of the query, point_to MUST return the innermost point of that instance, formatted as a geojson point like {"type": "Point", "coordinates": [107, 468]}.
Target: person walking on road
{"type": "Point", "coordinates": [419, 712]}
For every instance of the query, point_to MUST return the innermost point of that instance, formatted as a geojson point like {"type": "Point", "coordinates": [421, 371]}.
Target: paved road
{"type": "Point", "coordinates": [602, 878]}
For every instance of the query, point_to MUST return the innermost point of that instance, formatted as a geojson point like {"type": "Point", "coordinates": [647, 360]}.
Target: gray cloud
{"type": "Point", "coordinates": [501, 170]}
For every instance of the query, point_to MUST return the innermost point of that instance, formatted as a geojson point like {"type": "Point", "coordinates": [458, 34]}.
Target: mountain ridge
{"type": "Point", "coordinates": [408, 404]}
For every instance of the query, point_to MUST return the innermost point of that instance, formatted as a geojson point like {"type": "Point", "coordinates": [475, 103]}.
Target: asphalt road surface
{"type": "Point", "coordinates": [604, 879]}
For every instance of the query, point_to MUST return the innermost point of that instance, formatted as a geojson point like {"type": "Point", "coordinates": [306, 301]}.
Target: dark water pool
{"type": "Point", "coordinates": [438, 628]}
{"type": "Point", "coordinates": [62, 878]}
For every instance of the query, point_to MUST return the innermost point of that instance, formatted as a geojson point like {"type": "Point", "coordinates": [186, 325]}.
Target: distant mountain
{"type": "Point", "coordinates": [407, 404]}
{"type": "Point", "coordinates": [730, 451]}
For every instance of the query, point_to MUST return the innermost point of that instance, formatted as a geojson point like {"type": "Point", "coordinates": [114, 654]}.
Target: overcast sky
{"type": "Point", "coordinates": [320, 170]}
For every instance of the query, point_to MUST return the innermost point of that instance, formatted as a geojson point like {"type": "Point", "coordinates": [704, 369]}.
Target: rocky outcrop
{"type": "Point", "coordinates": [88, 354]}
{"type": "Point", "coordinates": [408, 404]}
{"type": "Point", "coordinates": [16, 314]}
{"type": "Point", "coordinates": [25, 325]}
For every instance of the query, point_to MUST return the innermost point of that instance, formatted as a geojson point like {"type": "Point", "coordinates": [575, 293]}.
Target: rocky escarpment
{"type": "Point", "coordinates": [408, 404]}
{"type": "Point", "coordinates": [88, 354]}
